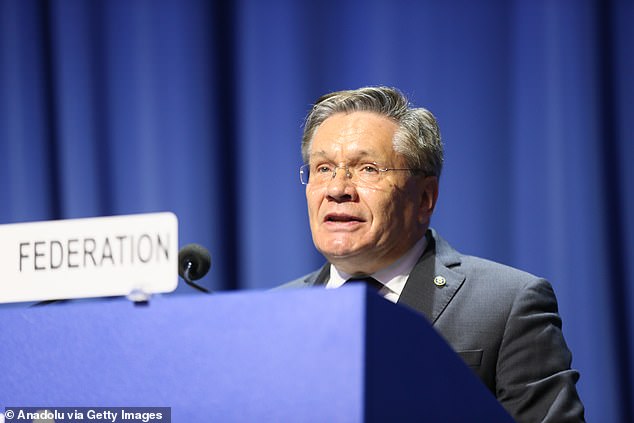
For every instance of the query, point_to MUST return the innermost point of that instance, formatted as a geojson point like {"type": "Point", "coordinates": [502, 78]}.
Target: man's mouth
{"type": "Point", "coordinates": [342, 218]}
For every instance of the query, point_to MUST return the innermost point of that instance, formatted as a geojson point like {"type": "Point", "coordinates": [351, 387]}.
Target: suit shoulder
{"type": "Point", "coordinates": [495, 269]}
{"type": "Point", "coordinates": [501, 276]}
{"type": "Point", "coordinates": [483, 272]}
{"type": "Point", "coordinates": [301, 282]}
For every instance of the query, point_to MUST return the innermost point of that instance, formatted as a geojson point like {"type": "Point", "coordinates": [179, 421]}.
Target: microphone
{"type": "Point", "coordinates": [194, 262]}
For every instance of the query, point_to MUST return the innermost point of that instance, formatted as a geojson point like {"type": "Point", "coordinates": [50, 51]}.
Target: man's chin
{"type": "Point", "coordinates": [344, 256]}
{"type": "Point", "coordinates": [337, 254]}
{"type": "Point", "coordinates": [341, 251]}
{"type": "Point", "coordinates": [338, 251]}
{"type": "Point", "coordinates": [352, 263]}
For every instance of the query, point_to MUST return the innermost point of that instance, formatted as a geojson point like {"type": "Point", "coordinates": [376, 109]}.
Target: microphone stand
{"type": "Point", "coordinates": [187, 278]}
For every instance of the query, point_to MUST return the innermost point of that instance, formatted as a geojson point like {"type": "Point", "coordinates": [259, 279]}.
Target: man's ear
{"type": "Point", "coordinates": [428, 198]}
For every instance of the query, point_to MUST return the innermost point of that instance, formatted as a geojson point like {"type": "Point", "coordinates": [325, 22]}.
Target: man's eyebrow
{"type": "Point", "coordinates": [357, 155]}
{"type": "Point", "coordinates": [320, 153]}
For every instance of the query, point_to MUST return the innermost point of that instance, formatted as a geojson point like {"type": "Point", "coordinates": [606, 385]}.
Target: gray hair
{"type": "Point", "coordinates": [417, 137]}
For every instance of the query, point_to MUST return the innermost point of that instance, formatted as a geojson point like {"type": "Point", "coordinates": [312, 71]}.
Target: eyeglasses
{"type": "Point", "coordinates": [363, 172]}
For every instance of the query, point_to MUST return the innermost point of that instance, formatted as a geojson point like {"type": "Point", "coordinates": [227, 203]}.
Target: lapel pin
{"type": "Point", "coordinates": [440, 281]}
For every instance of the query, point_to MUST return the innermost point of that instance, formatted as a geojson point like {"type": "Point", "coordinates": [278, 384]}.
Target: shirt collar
{"type": "Point", "coordinates": [393, 277]}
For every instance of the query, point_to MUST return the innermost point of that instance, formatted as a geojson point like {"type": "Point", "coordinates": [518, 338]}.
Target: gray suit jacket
{"type": "Point", "coordinates": [504, 324]}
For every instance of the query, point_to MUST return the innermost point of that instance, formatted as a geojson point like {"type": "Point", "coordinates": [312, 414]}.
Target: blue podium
{"type": "Point", "coordinates": [307, 355]}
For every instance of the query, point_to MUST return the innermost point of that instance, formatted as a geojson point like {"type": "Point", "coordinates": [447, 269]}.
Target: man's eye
{"type": "Point", "coordinates": [369, 169]}
{"type": "Point", "coordinates": [323, 169]}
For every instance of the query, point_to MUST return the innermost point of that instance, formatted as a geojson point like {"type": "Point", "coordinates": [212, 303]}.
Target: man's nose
{"type": "Point", "coordinates": [341, 187]}
{"type": "Point", "coordinates": [342, 170]}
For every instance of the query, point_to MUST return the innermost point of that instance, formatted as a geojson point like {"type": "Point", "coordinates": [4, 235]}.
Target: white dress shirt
{"type": "Point", "coordinates": [392, 277]}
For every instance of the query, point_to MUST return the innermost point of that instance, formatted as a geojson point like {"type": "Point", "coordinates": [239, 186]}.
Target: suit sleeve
{"type": "Point", "coordinates": [534, 380]}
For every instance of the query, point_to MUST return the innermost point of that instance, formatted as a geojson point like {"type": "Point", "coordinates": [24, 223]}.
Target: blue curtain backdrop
{"type": "Point", "coordinates": [117, 107]}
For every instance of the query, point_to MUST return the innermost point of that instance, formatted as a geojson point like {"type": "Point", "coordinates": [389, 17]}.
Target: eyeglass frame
{"type": "Point", "coordinates": [306, 166]}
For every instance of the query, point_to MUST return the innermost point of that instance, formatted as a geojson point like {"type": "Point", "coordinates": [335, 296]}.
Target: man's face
{"type": "Point", "coordinates": [362, 227]}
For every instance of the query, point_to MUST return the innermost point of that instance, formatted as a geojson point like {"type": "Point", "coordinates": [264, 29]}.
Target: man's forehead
{"type": "Point", "coordinates": [358, 134]}
{"type": "Point", "coordinates": [355, 123]}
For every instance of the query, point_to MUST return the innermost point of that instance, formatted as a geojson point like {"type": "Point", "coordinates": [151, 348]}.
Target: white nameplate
{"type": "Point", "coordinates": [93, 257]}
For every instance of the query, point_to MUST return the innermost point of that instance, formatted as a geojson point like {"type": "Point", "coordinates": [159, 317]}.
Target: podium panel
{"type": "Point", "coordinates": [307, 355]}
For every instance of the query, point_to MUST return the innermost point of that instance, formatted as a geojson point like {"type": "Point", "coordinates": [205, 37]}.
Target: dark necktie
{"type": "Point", "coordinates": [369, 281]}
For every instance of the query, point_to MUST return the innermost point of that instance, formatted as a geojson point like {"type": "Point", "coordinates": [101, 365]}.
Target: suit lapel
{"type": "Point", "coordinates": [319, 277]}
{"type": "Point", "coordinates": [421, 292]}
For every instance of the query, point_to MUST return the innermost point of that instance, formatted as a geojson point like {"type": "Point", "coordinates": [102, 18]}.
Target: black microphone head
{"type": "Point", "coordinates": [199, 258]}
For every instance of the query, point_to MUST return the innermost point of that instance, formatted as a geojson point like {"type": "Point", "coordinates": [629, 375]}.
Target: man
{"type": "Point", "coordinates": [372, 164]}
